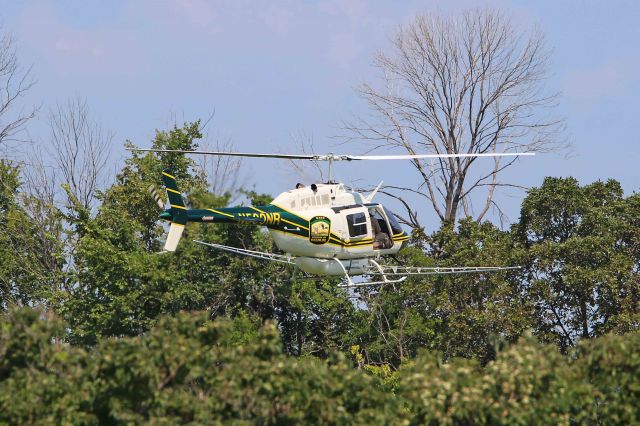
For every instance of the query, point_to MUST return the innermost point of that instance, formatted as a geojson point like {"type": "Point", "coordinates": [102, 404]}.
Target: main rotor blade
{"type": "Point", "coordinates": [416, 156]}
{"type": "Point", "coordinates": [233, 154]}
{"type": "Point", "coordinates": [334, 157]}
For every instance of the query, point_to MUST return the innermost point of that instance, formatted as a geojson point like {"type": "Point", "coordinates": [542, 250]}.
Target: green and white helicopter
{"type": "Point", "coordinates": [324, 229]}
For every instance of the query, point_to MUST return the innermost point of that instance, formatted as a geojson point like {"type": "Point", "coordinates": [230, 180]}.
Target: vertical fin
{"type": "Point", "coordinates": [175, 198]}
{"type": "Point", "coordinates": [178, 207]}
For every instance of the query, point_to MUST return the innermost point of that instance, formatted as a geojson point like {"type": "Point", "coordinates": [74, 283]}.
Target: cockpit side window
{"type": "Point", "coordinates": [395, 225]}
{"type": "Point", "coordinates": [357, 223]}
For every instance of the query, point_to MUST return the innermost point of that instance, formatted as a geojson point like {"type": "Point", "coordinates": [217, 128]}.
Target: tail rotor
{"type": "Point", "coordinates": [156, 195]}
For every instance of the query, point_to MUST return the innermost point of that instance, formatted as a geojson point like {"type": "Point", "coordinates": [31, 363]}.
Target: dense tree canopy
{"type": "Point", "coordinates": [582, 258]}
{"type": "Point", "coordinates": [188, 369]}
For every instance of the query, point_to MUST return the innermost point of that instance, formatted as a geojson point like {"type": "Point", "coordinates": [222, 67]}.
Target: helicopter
{"type": "Point", "coordinates": [324, 230]}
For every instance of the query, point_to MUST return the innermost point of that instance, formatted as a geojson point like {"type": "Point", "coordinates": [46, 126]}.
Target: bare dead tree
{"type": "Point", "coordinates": [15, 81]}
{"type": "Point", "coordinates": [80, 148]}
{"type": "Point", "coordinates": [469, 84]}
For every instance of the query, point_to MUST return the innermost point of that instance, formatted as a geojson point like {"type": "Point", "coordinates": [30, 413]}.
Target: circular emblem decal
{"type": "Point", "coordinates": [319, 229]}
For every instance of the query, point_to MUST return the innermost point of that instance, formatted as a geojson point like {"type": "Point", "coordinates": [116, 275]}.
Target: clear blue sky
{"type": "Point", "coordinates": [274, 69]}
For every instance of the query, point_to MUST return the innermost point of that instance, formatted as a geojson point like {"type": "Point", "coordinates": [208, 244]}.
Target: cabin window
{"type": "Point", "coordinates": [395, 226]}
{"type": "Point", "coordinates": [357, 224]}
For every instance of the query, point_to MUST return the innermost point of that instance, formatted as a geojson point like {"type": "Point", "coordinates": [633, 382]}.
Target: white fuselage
{"type": "Point", "coordinates": [350, 234]}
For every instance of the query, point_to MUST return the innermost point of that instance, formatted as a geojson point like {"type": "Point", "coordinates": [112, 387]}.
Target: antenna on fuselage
{"type": "Point", "coordinates": [369, 198]}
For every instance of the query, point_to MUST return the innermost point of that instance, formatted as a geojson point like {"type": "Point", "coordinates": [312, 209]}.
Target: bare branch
{"type": "Point", "coordinates": [222, 172]}
{"type": "Point", "coordinates": [15, 81]}
{"type": "Point", "coordinates": [80, 148]}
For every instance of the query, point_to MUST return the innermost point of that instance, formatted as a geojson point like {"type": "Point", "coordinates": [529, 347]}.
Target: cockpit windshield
{"type": "Point", "coordinates": [395, 225]}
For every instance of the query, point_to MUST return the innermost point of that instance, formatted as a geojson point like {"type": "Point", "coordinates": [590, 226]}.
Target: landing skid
{"type": "Point", "coordinates": [385, 280]}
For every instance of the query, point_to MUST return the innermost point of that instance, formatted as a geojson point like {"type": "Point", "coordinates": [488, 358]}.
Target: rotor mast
{"type": "Point", "coordinates": [330, 160]}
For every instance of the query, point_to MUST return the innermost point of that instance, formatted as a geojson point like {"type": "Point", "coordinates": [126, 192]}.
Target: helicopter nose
{"type": "Point", "coordinates": [166, 215]}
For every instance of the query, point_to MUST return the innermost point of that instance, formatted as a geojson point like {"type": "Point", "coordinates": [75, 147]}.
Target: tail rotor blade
{"type": "Point", "coordinates": [156, 196]}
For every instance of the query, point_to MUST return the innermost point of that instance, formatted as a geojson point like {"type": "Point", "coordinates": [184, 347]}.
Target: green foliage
{"type": "Point", "coordinates": [467, 315]}
{"type": "Point", "coordinates": [42, 380]}
{"type": "Point", "coordinates": [477, 311]}
{"type": "Point", "coordinates": [30, 254]}
{"type": "Point", "coordinates": [121, 284]}
{"type": "Point", "coordinates": [581, 259]}
{"type": "Point", "coordinates": [611, 364]}
{"type": "Point", "coordinates": [188, 369]}
{"type": "Point", "coordinates": [185, 370]}
{"type": "Point", "coordinates": [527, 384]}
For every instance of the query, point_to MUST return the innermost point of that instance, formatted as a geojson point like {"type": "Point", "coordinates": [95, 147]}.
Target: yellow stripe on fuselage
{"type": "Point", "coordinates": [334, 238]}
{"type": "Point", "coordinates": [222, 213]}
{"type": "Point", "coordinates": [178, 207]}
{"type": "Point", "coordinates": [174, 191]}
{"type": "Point", "coordinates": [168, 175]}
{"type": "Point", "coordinates": [339, 242]}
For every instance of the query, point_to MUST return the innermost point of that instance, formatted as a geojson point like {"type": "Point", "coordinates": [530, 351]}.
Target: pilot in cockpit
{"type": "Point", "coordinates": [381, 239]}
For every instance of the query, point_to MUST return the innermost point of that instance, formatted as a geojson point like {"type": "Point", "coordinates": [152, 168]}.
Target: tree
{"type": "Point", "coordinates": [611, 364]}
{"type": "Point", "coordinates": [120, 284]}
{"type": "Point", "coordinates": [459, 85]}
{"type": "Point", "coordinates": [463, 315]}
{"type": "Point", "coordinates": [582, 259]}
{"type": "Point", "coordinates": [30, 257]}
{"type": "Point", "coordinates": [477, 312]}
{"type": "Point", "coordinates": [187, 369]}
{"type": "Point", "coordinates": [14, 83]}
{"type": "Point", "coordinates": [527, 383]}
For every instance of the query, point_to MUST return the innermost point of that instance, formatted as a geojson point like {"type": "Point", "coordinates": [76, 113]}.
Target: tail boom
{"type": "Point", "coordinates": [178, 214]}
